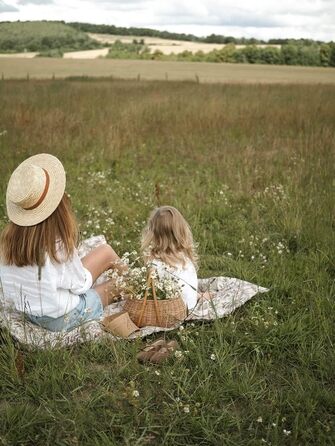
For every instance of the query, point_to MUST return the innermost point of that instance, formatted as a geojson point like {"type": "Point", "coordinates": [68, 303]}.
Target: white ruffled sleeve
{"type": "Point", "coordinates": [73, 276]}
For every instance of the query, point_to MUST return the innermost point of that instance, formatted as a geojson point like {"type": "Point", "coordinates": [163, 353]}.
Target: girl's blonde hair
{"type": "Point", "coordinates": [168, 237]}
{"type": "Point", "coordinates": [28, 245]}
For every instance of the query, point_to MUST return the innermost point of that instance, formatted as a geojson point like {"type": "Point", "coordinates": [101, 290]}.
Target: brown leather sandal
{"type": "Point", "coordinates": [164, 352]}
{"type": "Point", "coordinates": [145, 354]}
{"type": "Point", "coordinates": [161, 355]}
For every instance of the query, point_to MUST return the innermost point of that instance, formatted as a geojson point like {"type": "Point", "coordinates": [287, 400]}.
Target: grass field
{"type": "Point", "coordinates": [46, 68]}
{"type": "Point", "coordinates": [252, 169]}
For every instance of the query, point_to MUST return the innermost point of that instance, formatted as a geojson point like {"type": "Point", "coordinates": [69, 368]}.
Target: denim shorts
{"type": "Point", "coordinates": [89, 309]}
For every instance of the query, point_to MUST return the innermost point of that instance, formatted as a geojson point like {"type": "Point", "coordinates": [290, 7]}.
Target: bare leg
{"type": "Point", "coordinates": [107, 292]}
{"type": "Point", "coordinates": [101, 259]}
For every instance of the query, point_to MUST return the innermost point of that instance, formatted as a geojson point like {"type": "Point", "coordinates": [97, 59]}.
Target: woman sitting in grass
{"type": "Point", "coordinates": [41, 272]}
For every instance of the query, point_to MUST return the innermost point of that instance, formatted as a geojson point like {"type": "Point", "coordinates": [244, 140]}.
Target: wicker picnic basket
{"type": "Point", "coordinates": [155, 312]}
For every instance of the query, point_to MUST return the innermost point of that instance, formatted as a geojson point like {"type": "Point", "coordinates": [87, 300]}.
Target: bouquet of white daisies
{"type": "Point", "coordinates": [135, 280]}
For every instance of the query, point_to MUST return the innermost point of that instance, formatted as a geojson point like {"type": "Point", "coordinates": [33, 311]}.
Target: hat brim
{"type": "Point", "coordinates": [57, 177]}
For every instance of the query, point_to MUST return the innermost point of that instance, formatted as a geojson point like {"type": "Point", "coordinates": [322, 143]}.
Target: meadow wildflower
{"type": "Point", "coordinates": [186, 408]}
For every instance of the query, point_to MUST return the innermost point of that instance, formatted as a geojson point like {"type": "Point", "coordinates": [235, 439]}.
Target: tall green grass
{"type": "Point", "coordinates": [252, 169]}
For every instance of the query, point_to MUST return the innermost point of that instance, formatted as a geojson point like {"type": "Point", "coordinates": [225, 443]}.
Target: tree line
{"type": "Point", "coordinates": [290, 54]}
{"type": "Point", "coordinates": [213, 38]}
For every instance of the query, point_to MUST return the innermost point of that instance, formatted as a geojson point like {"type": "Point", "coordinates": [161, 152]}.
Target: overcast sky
{"type": "Point", "coordinates": [249, 18]}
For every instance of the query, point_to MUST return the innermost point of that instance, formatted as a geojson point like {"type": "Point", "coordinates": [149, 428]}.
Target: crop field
{"type": "Point", "coordinates": [252, 169]}
{"type": "Point", "coordinates": [47, 68]}
{"type": "Point", "coordinates": [166, 46]}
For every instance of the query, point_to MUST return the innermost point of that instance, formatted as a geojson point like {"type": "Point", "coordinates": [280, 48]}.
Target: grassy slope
{"type": "Point", "coordinates": [251, 167]}
{"type": "Point", "coordinates": [42, 36]}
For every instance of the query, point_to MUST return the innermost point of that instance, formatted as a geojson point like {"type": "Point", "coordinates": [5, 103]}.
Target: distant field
{"type": "Point", "coordinates": [167, 46]}
{"type": "Point", "coordinates": [25, 55]}
{"type": "Point", "coordinates": [87, 54]}
{"type": "Point", "coordinates": [44, 68]}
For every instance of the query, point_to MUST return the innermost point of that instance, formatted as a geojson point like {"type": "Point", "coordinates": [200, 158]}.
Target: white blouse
{"type": "Point", "coordinates": [186, 277]}
{"type": "Point", "coordinates": [53, 292]}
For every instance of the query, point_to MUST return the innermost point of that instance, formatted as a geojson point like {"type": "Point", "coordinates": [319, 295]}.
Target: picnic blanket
{"type": "Point", "coordinates": [227, 295]}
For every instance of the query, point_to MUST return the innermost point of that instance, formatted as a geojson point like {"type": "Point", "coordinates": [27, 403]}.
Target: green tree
{"type": "Point", "coordinates": [199, 56]}
{"type": "Point", "coordinates": [157, 55]}
{"type": "Point", "coordinates": [325, 50]}
{"type": "Point", "coordinates": [270, 55]}
{"type": "Point", "coordinates": [252, 54]}
{"type": "Point", "coordinates": [309, 55]}
{"type": "Point", "coordinates": [332, 55]}
{"type": "Point", "coordinates": [226, 54]}
{"type": "Point", "coordinates": [213, 56]}
{"type": "Point", "coordinates": [290, 54]}
{"type": "Point", "coordinates": [185, 55]}
{"type": "Point", "coordinates": [239, 57]}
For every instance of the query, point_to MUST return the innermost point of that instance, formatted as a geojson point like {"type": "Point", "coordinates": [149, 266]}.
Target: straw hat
{"type": "Point", "coordinates": [35, 189]}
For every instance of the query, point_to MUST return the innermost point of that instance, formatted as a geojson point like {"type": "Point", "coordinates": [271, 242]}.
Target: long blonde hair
{"type": "Point", "coordinates": [168, 237]}
{"type": "Point", "coordinates": [28, 245]}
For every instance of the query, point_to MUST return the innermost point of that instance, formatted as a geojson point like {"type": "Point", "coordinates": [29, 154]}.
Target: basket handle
{"type": "Point", "coordinates": [144, 299]}
{"type": "Point", "coordinates": [155, 299]}
{"type": "Point", "coordinates": [150, 283]}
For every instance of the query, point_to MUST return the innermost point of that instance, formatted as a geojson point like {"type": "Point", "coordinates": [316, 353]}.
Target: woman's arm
{"type": "Point", "coordinates": [73, 276]}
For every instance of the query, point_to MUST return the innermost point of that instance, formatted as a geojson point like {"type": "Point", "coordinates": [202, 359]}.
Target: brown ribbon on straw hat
{"type": "Point", "coordinates": [35, 189]}
{"type": "Point", "coordinates": [46, 188]}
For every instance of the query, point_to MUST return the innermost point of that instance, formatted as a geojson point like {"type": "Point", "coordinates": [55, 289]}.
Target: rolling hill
{"type": "Point", "coordinates": [43, 36]}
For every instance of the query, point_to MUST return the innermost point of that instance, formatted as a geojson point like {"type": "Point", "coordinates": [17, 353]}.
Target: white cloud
{"type": "Point", "coordinates": [35, 2]}
{"type": "Point", "coordinates": [4, 7]}
{"type": "Point", "coordinates": [260, 18]}
{"type": "Point", "coordinates": [122, 5]}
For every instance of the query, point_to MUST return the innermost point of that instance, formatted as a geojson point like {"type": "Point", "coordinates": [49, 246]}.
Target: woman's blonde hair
{"type": "Point", "coordinates": [28, 245]}
{"type": "Point", "coordinates": [168, 237]}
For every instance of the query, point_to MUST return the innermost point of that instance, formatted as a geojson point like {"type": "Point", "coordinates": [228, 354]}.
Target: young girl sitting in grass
{"type": "Point", "coordinates": [41, 273]}
{"type": "Point", "coordinates": [167, 242]}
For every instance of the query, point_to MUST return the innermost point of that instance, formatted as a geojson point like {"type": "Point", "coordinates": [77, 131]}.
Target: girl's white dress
{"type": "Point", "coordinates": [186, 277]}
